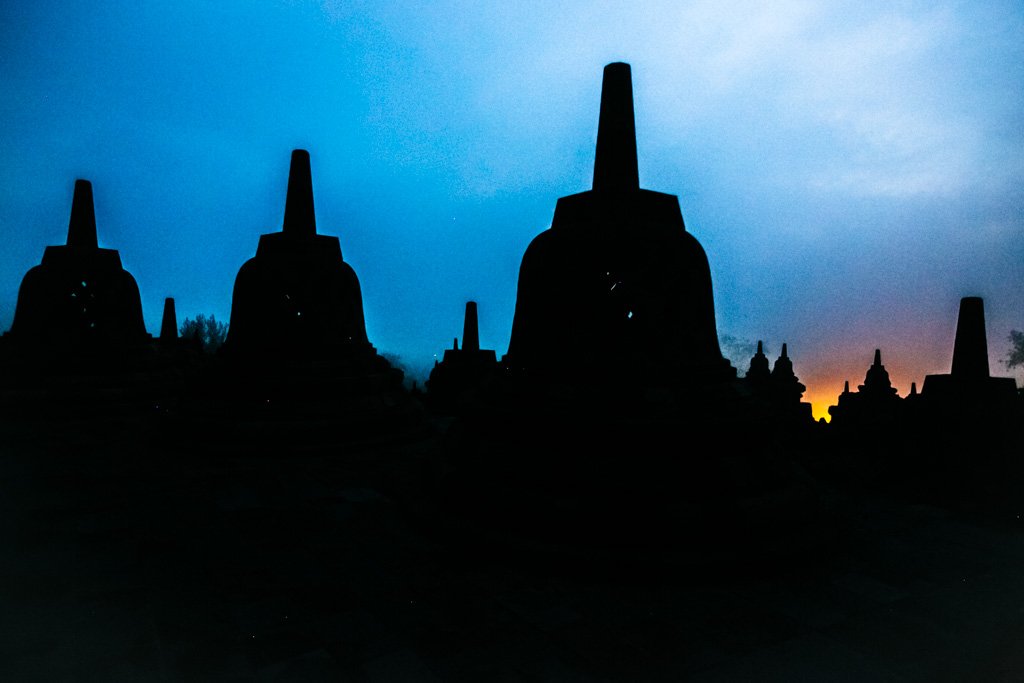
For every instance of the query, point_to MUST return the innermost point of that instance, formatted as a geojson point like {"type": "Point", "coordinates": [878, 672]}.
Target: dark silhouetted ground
{"type": "Point", "coordinates": [132, 555]}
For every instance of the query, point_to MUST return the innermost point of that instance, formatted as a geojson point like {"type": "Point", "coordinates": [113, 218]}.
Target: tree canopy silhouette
{"type": "Point", "coordinates": [1016, 358]}
{"type": "Point", "coordinates": [210, 332]}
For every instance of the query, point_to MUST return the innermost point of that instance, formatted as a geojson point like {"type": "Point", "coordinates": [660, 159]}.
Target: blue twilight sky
{"type": "Point", "coordinates": [851, 168]}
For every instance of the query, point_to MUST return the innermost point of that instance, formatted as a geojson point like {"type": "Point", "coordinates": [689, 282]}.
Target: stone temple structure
{"type": "Point", "coordinates": [296, 347]}
{"type": "Point", "coordinates": [617, 288]}
{"type": "Point", "coordinates": [78, 345]}
{"type": "Point", "coordinates": [969, 386]}
{"type": "Point", "coordinates": [462, 372]}
{"type": "Point", "coordinates": [169, 324]}
{"type": "Point", "coordinates": [297, 296]}
{"type": "Point", "coordinates": [875, 402]}
{"type": "Point", "coordinates": [759, 373]}
{"type": "Point", "coordinates": [774, 393]}
{"type": "Point", "coordinates": [79, 298]}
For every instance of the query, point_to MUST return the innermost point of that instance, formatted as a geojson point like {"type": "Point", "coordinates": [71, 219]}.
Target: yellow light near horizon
{"type": "Point", "coordinates": [821, 401]}
{"type": "Point", "coordinates": [819, 409]}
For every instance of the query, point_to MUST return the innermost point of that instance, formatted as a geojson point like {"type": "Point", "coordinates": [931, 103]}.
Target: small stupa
{"type": "Point", "coordinates": [875, 402]}
{"type": "Point", "coordinates": [461, 372]}
{"type": "Point", "coordinates": [876, 382]}
{"type": "Point", "coordinates": [759, 372]}
{"type": "Point", "coordinates": [169, 324]}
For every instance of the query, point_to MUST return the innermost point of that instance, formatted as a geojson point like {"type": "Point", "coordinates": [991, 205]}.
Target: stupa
{"type": "Point", "coordinates": [297, 296]}
{"type": "Point", "coordinates": [169, 324]}
{"type": "Point", "coordinates": [296, 347]}
{"type": "Point", "coordinates": [759, 372]}
{"type": "Point", "coordinates": [461, 372]}
{"type": "Point", "coordinates": [968, 384]}
{"type": "Point", "coordinates": [78, 345]}
{"type": "Point", "coordinates": [79, 298]}
{"type": "Point", "coordinates": [875, 402]}
{"type": "Point", "coordinates": [617, 288]}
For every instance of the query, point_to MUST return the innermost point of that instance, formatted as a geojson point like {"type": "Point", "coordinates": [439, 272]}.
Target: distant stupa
{"type": "Point", "coordinates": [876, 382]}
{"type": "Point", "coordinates": [616, 288]}
{"type": "Point", "coordinates": [297, 296]}
{"type": "Point", "coordinates": [169, 324]}
{"type": "Point", "coordinates": [79, 297]}
{"type": "Point", "coordinates": [759, 372]}
{"type": "Point", "coordinates": [876, 402]}
{"type": "Point", "coordinates": [462, 372]}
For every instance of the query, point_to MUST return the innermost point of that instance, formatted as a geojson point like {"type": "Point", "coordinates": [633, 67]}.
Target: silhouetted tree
{"type": "Point", "coordinates": [1016, 358]}
{"type": "Point", "coordinates": [207, 329]}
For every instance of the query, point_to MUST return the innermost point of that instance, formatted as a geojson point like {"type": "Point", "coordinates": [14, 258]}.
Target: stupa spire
{"type": "Point", "coordinates": [299, 217]}
{"type": "Point", "coordinates": [470, 330]}
{"type": "Point", "coordinates": [615, 164]}
{"type": "Point", "coordinates": [169, 323]}
{"type": "Point", "coordinates": [82, 226]}
{"type": "Point", "coordinates": [970, 348]}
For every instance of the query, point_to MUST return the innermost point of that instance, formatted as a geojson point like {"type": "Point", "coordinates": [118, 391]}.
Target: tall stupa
{"type": "Point", "coordinates": [616, 288]}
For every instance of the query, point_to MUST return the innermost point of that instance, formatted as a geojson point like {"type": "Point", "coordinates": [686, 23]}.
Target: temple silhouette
{"type": "Point", "coordinates": [773, 393]}
{"type": "Point", "coordinates": [462, 373]}
{"type": "Point", "coordinates": [617, 289]}
{"type": "Point", "coordinates": [607, 495]}
{"type": "Point", "coordinates": [79, 298]}
{"type": "Point", "coordinates": [297, 295]}
{"type": "Point", "coordinates": [875, 403]}
{"type": "Point", "coordinates": [614, 317]}
{"type": "Point", "coordinates": [296, 346]}
{"type": "Point", "coordinates": [968, 386]}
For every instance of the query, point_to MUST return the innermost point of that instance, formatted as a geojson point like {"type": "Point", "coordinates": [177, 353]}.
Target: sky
{"type": "Point", "coordinates": [852, 169]}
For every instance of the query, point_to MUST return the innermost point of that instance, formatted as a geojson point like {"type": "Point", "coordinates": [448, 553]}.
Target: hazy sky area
{"type": "Point", "coordinates": [851, 169]}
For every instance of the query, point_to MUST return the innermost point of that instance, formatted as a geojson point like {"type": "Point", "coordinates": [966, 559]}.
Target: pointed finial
{"type": "Point", "coordinates": [82, 227]}
{"type": "Point", "coordinates": [455, 344]}
{"type": "Point", "coordinates": [970, 348]}
{"type": "Point", "coordinates": [299, 217]}
{"type": "Point", "coordinates": [470, 330]}
{"type": "Point", "coordinates": [785, 353]}
{"type": "Point", "coordinates": [169, 323]}
{"type": "Point", "coordinates": [878, 356]}
{"type": "Point", "coordinates": [913, 388]}
{"type": "Point", "coordinates": [615, 165]}
{"type": "Point", "coordinates": [759, 347]}
{"type": "Point", "coordinates": [846, 387]}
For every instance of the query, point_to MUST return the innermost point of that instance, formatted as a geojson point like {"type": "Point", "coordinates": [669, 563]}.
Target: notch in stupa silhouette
{"type": "Point", "coordinates": [617, 288]}
{"type": "Point", "coordinates": [297, 296]}
{"type": "Point", "coordinates": [79, 297]}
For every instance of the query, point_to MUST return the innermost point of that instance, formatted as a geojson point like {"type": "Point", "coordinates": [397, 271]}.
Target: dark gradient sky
{"type": "Point", "coordinates": [851, 169]}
